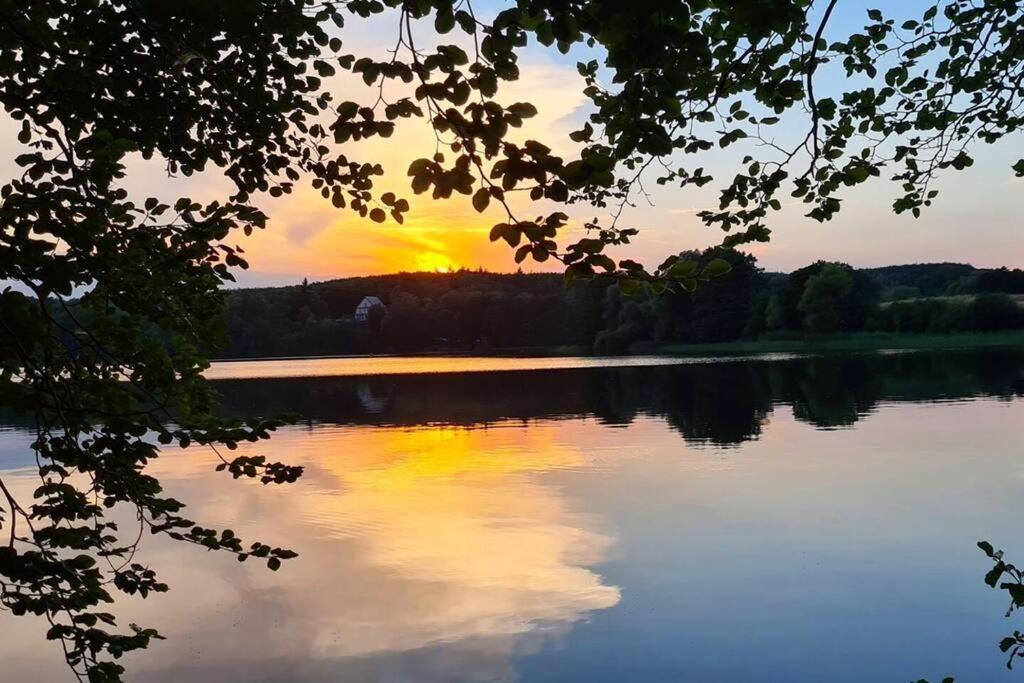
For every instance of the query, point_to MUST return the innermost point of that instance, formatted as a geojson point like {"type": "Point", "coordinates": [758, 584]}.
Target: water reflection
{"type": "Point", "coordinates": [419, 499]}
{"type": "Point", "coordinates": [718, 403]}
{"type": "Point", "coordinates": [429, 553]}
{"type": "Point", "coordinates": [415, 365]}
{"type": "Point", "coordinates": [432, 553]}
{"type": "Point", "coordinates": [560, 525]}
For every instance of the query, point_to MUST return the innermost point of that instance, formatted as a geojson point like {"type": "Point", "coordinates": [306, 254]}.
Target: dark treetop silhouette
{"type": "Point", "coordinates": [480, 311]}
{"type": "Point", "coordinates": [240, 87]}
{"type": "Point", "coordinates": [719, 404]}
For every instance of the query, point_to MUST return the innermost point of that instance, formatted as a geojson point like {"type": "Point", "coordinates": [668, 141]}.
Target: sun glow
{"type": "Point", "coordinates": [309, 237]}
{"type": "Point", "coordinates": [434, 262]}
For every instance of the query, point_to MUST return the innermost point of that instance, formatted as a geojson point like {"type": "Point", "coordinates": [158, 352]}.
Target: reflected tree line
{"type": "Point", "coordinates": [717, 403]}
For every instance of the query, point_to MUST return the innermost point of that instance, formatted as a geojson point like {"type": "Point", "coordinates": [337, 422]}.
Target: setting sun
{"type": "Point", "coordinates": [434, 262]}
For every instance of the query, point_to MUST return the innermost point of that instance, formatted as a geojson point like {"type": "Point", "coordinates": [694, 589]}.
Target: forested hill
{"type": "Point", "coordinates": [945, 279]}
{"type": "Point", "coordinates": [422, 311]}
{"type": "Point", "coordinates": [335, 299]}
{"type": "Point", "coordinates": [481, 311]}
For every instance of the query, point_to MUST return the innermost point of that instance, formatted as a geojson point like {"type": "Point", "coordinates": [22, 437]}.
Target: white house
{"type": "Point", "coordinates": [363, 309]}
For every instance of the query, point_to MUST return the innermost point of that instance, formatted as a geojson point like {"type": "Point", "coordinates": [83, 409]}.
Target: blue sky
{"type": "Point", "coordinates": [974, 220]}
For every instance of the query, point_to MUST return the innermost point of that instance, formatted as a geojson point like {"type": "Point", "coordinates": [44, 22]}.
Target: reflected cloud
{"type": "Point", "coordinates": [429, 554]}
{"type": "Point", "coordinates": [502, 552]}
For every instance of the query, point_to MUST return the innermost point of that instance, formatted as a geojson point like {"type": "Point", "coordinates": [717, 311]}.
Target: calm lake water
{"type": "Point", "coordinates": [790, 519]}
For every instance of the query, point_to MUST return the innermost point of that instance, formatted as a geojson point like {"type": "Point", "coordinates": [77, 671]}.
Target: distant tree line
{"type": "Point", "coordinates": [480, 311]}
{"type": "Point", "coordinates": [465, 310]}
{"type": "Point", "coordinates": [986, 312]}
{"type": "Point", "coordinates": [944, 279]}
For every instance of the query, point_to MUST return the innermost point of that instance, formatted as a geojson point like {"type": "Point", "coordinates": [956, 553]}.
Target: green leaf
{"type": "Point", "coordinates": [1016, 592]}
{"type": "Point", "coordinates": [717, 267]}
{"type": "Point", "coordinates": [993, 574]}
{"type": "Point", "coordinates": [858, 174]}
{"type": "Point", "coordinates": [683, 269]}
{"type": "Point", "coordinates": [444, 21]}
{"type": "Point", "coordinates": [630, 287]}
{"type": "Point", "coordinates": [481, 198]}
{"type": "Point", "coordinates": [523, 110]}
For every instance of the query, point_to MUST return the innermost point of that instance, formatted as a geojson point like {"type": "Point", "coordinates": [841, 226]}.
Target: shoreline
{"type": "Point", "coordinates": [856, 342]}
{"type": "Point", "coordinates": [845, 343]}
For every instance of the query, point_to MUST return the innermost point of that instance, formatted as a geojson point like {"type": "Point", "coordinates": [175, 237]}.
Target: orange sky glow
{"type": "Point", "coordinates": [308, 237]}
{"type": "Point", "coordinates": [307, 234]}
{"type": "Point", "coordinates": [975, 219]}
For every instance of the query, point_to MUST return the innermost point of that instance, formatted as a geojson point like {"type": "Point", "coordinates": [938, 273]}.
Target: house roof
{"type": "Point", "coordinates": [370, 302]}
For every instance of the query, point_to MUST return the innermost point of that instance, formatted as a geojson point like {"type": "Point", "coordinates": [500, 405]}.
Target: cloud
{"type": "Point", "coordinates": [322, 241]}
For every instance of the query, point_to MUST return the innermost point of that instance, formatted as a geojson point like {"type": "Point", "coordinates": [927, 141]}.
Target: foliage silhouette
{"type": "Point", "coordinates": [1009, 578]}
{"type": "Point", "coordinates": [244, 88]}
{"type": "Point", "coordinates": [475, 310]}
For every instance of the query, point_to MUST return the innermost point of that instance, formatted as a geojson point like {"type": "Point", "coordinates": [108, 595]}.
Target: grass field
{"type": "Point", "coordinates": [863, 341]}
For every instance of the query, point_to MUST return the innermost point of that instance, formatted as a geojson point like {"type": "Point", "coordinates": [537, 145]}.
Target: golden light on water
{"type": "Point", "coordinates": [464, 513]}
{"type": "Point", "coordinates": [409, 538]}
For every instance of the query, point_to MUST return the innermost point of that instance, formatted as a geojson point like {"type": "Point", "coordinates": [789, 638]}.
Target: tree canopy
{"type": "Point", "coordinates": [242, 89]}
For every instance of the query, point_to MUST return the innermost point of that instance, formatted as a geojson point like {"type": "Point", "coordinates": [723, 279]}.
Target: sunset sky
{"type": "Point", "coordinates": [974, 219]}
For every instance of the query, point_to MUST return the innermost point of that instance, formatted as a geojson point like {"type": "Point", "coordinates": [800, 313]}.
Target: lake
{"type": "Point", "coordinates": [592, 520]}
